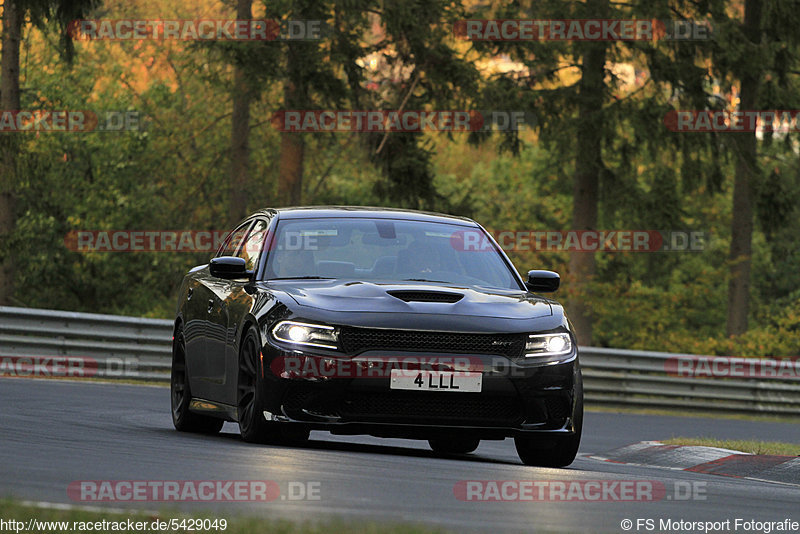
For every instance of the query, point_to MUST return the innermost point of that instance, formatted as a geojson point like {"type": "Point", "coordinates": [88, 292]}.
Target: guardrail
{"type": "Point", "coordinates": [107, 346]}
{"type": "Point", "coordinates": [113, 346]}
{"type": "Point", "coordinates": [644, 379]}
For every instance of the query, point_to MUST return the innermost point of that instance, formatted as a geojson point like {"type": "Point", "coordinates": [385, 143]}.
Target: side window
{"type": "Point", "coordinates": [253, 243]}
{"type": "Point", "coordinates": [232, 242]}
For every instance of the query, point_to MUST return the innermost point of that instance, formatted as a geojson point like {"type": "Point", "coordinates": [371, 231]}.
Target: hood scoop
{"type": "Point", "coordinates": [426, 296]}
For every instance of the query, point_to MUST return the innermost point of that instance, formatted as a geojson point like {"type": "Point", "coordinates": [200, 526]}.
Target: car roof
{"type": "Point", "coordinates": [317, 212]}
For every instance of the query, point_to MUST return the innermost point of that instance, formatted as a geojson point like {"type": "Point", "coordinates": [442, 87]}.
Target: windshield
{"type": "Point", "coordinates": [386, 250]}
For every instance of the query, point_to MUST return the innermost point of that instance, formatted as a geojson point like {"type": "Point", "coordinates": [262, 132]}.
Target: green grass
{"type": "Point", "coordinates": [696, 413]}
{"type": "Point", "coordinates": [13, 509]}
{"type": "Point", "coordinates": [749, 446]}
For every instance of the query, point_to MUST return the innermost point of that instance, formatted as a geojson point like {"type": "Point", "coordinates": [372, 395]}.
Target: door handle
{"type": "Point", "coordinates": [210, 305]}
{"type": "Point", "coordinates": [190, 293]}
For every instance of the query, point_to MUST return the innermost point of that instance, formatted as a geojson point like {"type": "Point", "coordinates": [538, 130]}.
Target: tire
{"type": "Point", "coordinates": [454, 445]}
{"type": "Point", "coordinates": [180, 395]}
{"type": "Point", "coordinates": [544, 451]}
{"type": "Point", "coordinates": [250, 404]}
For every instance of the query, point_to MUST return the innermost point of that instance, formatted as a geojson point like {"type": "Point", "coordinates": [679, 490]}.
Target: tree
{"type": "Point", "coordinates": [605, 131]}
{"type": "Point", "coordinates": [425, 68]}
{"type": "Point", "coordinates": [408, 40]}
{"type": "Point", "coordinates": [62, 12]}
{"type": "Point", "coordinates": [588, 169]}
{"type": "Point", "coordinates": [292, 152]}
{"type": "Point", "coordinates": [9, 101]}
{"type": "Point", "coordinates": [760, 55]}
{"type": "Point", "coordinates": [746, 171]}
{"type": "Point", "coordinates": [240, 131]}
{"type": "Point", "coordinates": [305, 68]}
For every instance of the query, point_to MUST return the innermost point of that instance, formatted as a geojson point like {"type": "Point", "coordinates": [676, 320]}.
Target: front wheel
{"type": "Point", "coordinates": [554, 451]}
{"type": "Point", "coordinates": [180, 394]}
{"type": "Point", "coordinates": [253, 426]}
{"type": "Point", "coordinates": [249, 405]}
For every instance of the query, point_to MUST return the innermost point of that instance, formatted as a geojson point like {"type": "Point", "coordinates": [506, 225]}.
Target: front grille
{"type": "Point", "coordinates": [357, 340]}
{"type": "Point", "coordinates": [442, 408]}
{"type": "Point", "coordinates": [426, 296]}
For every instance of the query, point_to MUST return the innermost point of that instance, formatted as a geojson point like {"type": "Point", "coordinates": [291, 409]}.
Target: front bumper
{"type": "Point", "coordinates": [516, 397]}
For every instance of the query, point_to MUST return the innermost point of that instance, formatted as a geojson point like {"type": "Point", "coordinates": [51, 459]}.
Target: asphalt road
{"type": "Point", "coordinates": [53, 433]}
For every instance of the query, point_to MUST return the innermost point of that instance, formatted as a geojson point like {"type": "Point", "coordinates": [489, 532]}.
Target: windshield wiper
{"type": "Point", "coordinates": [301, 278]}
{"type": "Point", "coordinates": [425, 280]}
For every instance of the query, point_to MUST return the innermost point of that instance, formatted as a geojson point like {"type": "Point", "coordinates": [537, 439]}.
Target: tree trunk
{"type": "Point", "coordinates": [290, 178]}
{"type": "Point", "coordinates": [9, 101]}
{"type": "Point", "coordinates": [240, 133]}
{"type": "Point", "coordinates": [588, 166]}
{"type": "Point", "coordinates": [742, 218]}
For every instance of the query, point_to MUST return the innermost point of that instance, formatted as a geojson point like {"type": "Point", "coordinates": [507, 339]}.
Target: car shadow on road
{"type": "Point", "coordinates": [348, 446]}
{"type": "Point", "coordinates": [394, 450]}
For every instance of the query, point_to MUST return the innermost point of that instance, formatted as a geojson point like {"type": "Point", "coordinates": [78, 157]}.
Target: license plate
{"type": "Point", "coordinates": [458, 381]}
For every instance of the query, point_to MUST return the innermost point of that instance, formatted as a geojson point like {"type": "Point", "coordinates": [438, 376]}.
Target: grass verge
{"type": "Point", "coordinates": [62, 518]}
{"type": "Point", "coordinates": [767, 418]}
{"type": "Point", "coordinates": [749, 446]}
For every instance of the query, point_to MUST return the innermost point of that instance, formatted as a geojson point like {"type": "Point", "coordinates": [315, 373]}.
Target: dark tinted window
{"type": "Point", "coordinates": [253, 243]}
{"type": "Point", "coordinates": [386, 250]}
{"type": "Point", "coordinates": [231, 244]}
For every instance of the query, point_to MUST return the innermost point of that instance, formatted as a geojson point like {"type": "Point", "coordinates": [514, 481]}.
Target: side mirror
{"type": "Point", "coordinates": [543, 281]}
{"type": "Point", "coordinates": [228, 267]}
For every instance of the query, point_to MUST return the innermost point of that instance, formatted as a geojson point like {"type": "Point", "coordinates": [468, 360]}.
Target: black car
{"type": "Point", "coordinates": [385, 322]}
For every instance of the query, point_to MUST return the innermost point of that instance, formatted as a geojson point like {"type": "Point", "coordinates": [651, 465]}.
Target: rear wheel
{"type": "Point", "coordinates": [180, 394]}
{"type": "Point", "coordinates": [554, 451]}
{"type": "Point", "coordinates": [454, 445]}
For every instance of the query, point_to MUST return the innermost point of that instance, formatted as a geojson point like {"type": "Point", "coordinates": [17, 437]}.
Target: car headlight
{"type": "Point", "coordinates": [548, 345]}
{"type": "Point", "coordinates": [314, 335]}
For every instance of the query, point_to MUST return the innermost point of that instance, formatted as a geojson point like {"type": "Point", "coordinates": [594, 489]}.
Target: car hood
{"type": "Point", "coordinates": [352, 296]}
